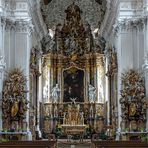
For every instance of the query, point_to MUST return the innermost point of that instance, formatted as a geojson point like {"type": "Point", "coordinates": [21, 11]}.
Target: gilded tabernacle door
{"type": "Point", "coordinates": [73, 84]}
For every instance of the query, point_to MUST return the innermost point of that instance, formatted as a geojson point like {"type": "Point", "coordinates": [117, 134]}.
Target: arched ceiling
{"type": "Point", "coordinates": [53, 11]}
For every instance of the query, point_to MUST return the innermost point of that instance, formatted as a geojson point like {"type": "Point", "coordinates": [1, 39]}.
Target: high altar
{"type": "Point", "coordinates": [73, 76]}
{"type": "Point", "coordinates": [73, 120]}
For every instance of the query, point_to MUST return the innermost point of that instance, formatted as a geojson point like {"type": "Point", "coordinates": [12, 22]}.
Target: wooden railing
{"type": "Point", "coordinates": [28, 144]}
{"type": "Point", "coordinates": [119, 144]}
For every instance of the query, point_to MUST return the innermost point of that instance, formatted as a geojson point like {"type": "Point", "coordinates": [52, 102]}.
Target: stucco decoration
{"type": "Point", "coordinates": [93, 11]}
{"type": "Point", "coordinates": [73, 38]}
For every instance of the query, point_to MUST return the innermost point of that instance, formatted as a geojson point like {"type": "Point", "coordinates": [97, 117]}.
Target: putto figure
{"type": "Point", "coordinates": [92, 93]}
{"type": "Point", "coordinates": [55, 93]}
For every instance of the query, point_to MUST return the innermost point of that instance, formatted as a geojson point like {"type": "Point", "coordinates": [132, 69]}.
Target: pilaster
{"type": "Point", "coordinates": [145, 70]}
{"type": "Point", "coordinates": [2, 68]}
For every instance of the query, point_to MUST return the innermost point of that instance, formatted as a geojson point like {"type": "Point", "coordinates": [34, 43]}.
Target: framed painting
{"type": "Point", "coordinates": [73, 82]}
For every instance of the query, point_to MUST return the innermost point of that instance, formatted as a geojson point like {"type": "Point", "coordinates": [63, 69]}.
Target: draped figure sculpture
{"type": "Point", "coordinates": [92, 93]}
{"type": "Point", "coordinates": [55, 93]}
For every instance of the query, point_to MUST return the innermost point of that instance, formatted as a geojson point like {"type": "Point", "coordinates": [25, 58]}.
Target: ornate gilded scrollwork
{"type": "Point", "coordinates": [34, 65]}
{"type": "Point", "coordinates": [133, 101]}
{"type": "Point", "coordinates": [73, 38]}
{"type": "Point", "coordinates": [112, 67]}
{"type": "Point", "coordinates": [14, 102]}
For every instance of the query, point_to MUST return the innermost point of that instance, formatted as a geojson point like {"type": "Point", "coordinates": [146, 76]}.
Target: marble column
{"type": "Point", "coordinates": [97, 73]}
{"type": "Point", "coordinates": [87, 78]}
{"type": "Point", "coordinates": [51, 74]}
{"type": "Point", "coordinates": [100, 72]}
{"type": "Point", "coordinates": [46, 78]}
{"type": "Point", "coordinates": [39, 97]}
{"type": "Point", "coordinates": [49, 77]}
{"type": "Point", "coordinates": [107, 86]}
{"type": "Point", "coordinates": [59, 66]}
{"type": "Point", "coordinates": [118, 46]}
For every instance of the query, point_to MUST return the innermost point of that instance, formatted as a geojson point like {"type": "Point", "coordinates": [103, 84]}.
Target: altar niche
{"type": "Point", "coordinates": [73, 84]}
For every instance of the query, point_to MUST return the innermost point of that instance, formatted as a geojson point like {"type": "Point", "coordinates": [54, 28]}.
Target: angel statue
{"type": "Point", "coordinates": [92, 93]}
{"type": "Point", "coordinates": [55, 93]}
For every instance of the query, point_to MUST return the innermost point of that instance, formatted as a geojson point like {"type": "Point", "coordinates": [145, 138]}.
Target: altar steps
{"type": "Point", "coordinates": [74, 144]}
{"type": "Point", "coordinates": [61, 145]}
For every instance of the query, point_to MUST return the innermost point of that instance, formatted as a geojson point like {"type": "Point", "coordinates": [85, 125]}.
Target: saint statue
{"type": "Point", "coordinates": [92, 93]}
{"type": "Point", "coordinates": [55, 93]}
{"type": "Point", "coordinates": [82, 118]}
{"type": "Point", "coordinates": [132, 109]}
{"type": "Point", "coordinates": [45, 91]}
{"type": "Point", "coordinates": [14, 109]}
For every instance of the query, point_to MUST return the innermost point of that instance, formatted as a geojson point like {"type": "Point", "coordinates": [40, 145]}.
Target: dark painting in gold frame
{"type": "Point", "coordinates": [73, 84]}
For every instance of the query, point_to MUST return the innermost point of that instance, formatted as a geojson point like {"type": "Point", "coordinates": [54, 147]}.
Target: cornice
{"type": "Point", "coordinates": [21, 25]}
{"type": "Point", "coordinates": [129, 24]}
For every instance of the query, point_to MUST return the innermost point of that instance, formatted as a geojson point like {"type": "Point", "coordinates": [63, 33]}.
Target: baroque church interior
{"type": "Point", "coordinates": [73, 72]}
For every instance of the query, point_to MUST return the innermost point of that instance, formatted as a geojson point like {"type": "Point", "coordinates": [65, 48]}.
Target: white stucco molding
{"type": "Point", "coordinates": [109, 19]}
{"type": "Point", "coordinates": [35, 13]}
{"type": "Point", "coordinates": [24, 27]}
{"type": "Point", "coordinates": [1, 7]}
{"type": "Point", "coordinates": [21, 26]}
{"type": "Point", "coordinates": [129, 24]}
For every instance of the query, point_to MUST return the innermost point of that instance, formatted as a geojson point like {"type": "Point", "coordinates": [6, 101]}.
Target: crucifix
{"type": "Point", "coordinates": [73, 100]}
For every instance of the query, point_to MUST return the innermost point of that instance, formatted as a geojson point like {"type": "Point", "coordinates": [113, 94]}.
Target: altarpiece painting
{"type": "Point", "coordinates": [73, 84]}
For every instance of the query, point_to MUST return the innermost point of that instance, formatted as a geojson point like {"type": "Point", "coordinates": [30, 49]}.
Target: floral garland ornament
{"type": "Point", "coordinates": [14, 102]}
{"type": "Point", "coordinates": [133, 101]}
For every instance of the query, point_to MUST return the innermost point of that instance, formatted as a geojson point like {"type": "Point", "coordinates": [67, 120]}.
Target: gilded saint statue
{"type": "Point", "coordinates": [14, 109]}
{"type": "Point", "coordinates": [132, 109]}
